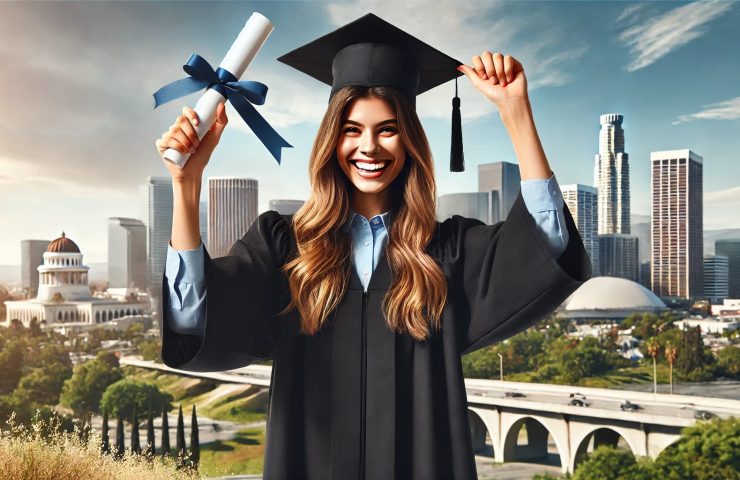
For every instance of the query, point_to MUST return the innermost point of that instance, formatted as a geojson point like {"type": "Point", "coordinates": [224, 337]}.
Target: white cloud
{"type": "Point", "coordinates": [725, 110]}
{"type": "Point", "coordinates": [656, 37]}
{"type": "Point", "coordinates": [720, 209]}
{"type": "Point", "coordinates": [628, 15]}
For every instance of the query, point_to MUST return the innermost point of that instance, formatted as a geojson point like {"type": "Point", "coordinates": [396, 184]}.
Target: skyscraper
{"type": "Point", "coordinates": [612, 176]}
{"type": "Point", "coordinates": [677, 223]}
{"type": "Point", "coordinates": [472, 205]}
{"type": "Point", "coordinates": [730, 248]}
{"type": "Point", "coordinates": [612, 180]}
{"type": "Point", "coordinates": [156, 214]}
{"type": "Point", "coordinates": [501, 181]}
{"type": "Point", "coordinates": [582, 201]}
{"type": "Point", "coordinates": [716, 270]}
{"type": "Point", "coordinates": [232, 208]}
{"type": "Point", "coordinates": [32, 256]}
{"type": "Point", "coordinates": [127, 256]}
{"type": "Point", "coordinates": [618, 256]}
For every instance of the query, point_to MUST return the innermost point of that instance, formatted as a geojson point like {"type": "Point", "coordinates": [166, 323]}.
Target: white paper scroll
{"type": "Point", "coordinates": [237, 59]}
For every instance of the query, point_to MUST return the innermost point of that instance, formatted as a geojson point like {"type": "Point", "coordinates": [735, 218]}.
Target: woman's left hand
{"type": "Point", "coordinates": [500, 78]}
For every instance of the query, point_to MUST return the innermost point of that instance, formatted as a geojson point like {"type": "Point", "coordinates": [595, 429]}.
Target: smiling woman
{"type": "Point", "coordinates": [371, 153]}
{"type": "Point", "coordinates": [362, 299]}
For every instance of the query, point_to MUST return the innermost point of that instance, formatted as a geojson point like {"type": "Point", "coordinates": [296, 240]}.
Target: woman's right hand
{"type": "Point", "coordinates": [182, 137]}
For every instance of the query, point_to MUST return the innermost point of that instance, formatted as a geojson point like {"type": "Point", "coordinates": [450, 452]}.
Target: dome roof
{"type": "Point", "coordinates": [63, 245]}
{"type": "Point", "coordinates": [612, 293]}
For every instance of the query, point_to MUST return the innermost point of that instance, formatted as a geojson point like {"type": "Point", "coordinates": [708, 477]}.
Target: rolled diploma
{"type": "Point", "coordinates": [237, 59]}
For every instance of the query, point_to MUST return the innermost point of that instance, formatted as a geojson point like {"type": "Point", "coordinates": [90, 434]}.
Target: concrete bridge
{"type": "Point", "coordinates": [562, 423]}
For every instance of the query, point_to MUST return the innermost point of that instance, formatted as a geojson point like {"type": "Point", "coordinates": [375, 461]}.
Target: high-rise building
{"type": "Point", "coordinates": [32, 256]}
{"type": "Point", "coordinates": [677, 224]}
{"type": "Point", "coordinates": [502, 182]}
{"type": "Point", "coordinates": [618, 256]}
{"type": "Point", "coordinates": [612, 176]}
{"type": "Point", "coordinates": [156, 214]}
{"type": "Point", "coordinates": [471, 205]}
{"type": "Point", "coordinates": [645, 274]}
{"type": "Point", "coordinates": [730, 248]}
{"type": "Point", "coordinates": [716, 270]}
{"type": "Point", "coordinates": [204, 223]}
{"type": "Point", "coordinates": [232, 208]}
{"type": "Point", "coordinates": [285, 207]}
{"type": "Point", "coordinates": [127, 256]}
{"type": "Point", "coordinates": [582, 202]}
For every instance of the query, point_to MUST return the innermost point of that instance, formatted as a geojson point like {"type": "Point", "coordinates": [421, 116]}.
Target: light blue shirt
{"type": "Point", "coordinates": [186, 279]}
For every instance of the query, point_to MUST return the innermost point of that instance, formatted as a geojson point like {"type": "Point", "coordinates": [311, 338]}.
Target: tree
{"type": "Point", "coordinates": [126, 395]}
{"type": "Point", "coordinates": [165, 433]}
{"type": "Point", "coordinates": [194, 440]}
{"type": "Point", "coordinates": [180, 438]}
{"type": "Point", "coordinates": [692, 360]}
{"type": "Point", "coordinates": [83, 391]}
{"type": "Point", "coordinates": [728, 362]}
{"type": "Point", "coordinates": [135, 445]}
{"type": "Point", "coordinates": [706, 450]}
{"type": "Point", "coordinates": [670, 355]}
{"type": "Point", "coordinates": [150, 449]}
{"type": "Point", "coordinates": [653, 348]}
{"type": "Point", "coordinates": [105, 441]}
{"type": "Point", "coordinates": [11, 364]}
{"type": "Point", "coordinates": [34, 329]}
{"type": "Point", "coordinates": [586, 359]}
{"type": "Point", "coordinates": [605, 463]}
{"type": "Point", "coordinates": [120, 447]}
{"type": "Point", "coordinates": [43, 385]}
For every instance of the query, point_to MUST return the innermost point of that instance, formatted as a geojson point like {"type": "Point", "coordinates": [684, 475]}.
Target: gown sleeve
{"type": "Point", "coordinates": [506, 277]}
{"type": "Point", "coordinates": [244, 297]}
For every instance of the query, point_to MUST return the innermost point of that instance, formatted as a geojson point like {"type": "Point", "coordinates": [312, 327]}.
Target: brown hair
{"type": "Point", "coordinates": [319, 275]}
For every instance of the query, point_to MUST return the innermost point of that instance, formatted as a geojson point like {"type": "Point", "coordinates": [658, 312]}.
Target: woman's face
{"type": "Point", "coordinates": [369, 149]}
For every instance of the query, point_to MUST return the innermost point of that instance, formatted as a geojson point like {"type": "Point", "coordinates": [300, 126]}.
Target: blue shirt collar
{"type": "Point", "coordinates": [385, 217]}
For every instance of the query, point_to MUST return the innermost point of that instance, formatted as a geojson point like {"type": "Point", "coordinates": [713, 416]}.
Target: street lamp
{"type": "Point", "coordinates": [501, 366]}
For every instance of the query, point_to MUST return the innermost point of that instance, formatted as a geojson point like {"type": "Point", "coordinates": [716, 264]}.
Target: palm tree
{"type": "Point", "coordinates": [671, 352]}
{"type": "Point", "coordinates": [653, 347]}
{"type": "Point", "coordinates": [194, 439]}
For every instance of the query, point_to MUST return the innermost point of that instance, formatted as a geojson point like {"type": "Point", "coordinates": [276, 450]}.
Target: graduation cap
{"type": "Point", "coordinates": [371, 52]}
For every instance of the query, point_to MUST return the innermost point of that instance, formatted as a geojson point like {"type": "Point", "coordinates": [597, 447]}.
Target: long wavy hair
{"type": "Point", "coordinates": [319, 275]}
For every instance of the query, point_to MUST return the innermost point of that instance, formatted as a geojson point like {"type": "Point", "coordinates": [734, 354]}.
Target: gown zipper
{"type": "Point", "coordinates": [363, 405]}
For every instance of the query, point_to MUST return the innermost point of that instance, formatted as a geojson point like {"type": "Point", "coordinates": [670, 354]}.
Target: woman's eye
{"type": "Point", "coordinates": [355, 129]}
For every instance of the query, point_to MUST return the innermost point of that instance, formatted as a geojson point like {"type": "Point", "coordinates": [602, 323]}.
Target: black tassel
{"type": "Point", "coordinates": [457, 160]}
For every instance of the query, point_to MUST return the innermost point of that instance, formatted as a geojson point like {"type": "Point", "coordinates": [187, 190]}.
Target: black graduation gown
{"type": "Point", "coordinates": [358, 400]}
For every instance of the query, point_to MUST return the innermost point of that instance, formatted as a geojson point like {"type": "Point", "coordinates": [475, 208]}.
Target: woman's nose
{"type": "Point", "coordinates": [368, 145]}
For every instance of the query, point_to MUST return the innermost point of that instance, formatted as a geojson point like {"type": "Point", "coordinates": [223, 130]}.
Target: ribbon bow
{"type": "Point", "coordinates": [241, 95]}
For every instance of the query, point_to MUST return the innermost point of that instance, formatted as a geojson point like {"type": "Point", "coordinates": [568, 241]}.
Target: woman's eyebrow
{"type": "Point", "coordinates": [390, 120]}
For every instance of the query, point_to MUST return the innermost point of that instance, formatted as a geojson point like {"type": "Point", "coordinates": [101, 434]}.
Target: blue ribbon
{"type": "Point", "coordinates": [241, 95]}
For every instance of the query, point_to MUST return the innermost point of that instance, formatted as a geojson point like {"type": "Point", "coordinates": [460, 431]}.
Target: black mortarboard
{"type": "Point", "coordinates": [371, 52]}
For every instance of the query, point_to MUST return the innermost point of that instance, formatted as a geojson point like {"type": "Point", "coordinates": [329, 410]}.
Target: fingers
{"type": "Point", "coordinates": [509, 67]}
{"type": "Point", "coordinates": [500, 69]}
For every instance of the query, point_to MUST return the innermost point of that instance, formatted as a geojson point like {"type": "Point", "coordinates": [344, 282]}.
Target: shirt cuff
{"type": "Point", "coordinates": [541, 195]}
{"type": "Point", "coordinates": [185, 265]}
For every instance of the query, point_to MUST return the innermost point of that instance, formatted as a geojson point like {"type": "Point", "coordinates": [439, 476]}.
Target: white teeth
{"type": "Point", "coordinates": [371, 166]}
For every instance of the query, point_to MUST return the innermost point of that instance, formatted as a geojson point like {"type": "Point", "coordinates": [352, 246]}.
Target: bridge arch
{"type": "Point", "coordinates": [484, 421]}
{"type": "Point", "coordinates": [602, 436]}
{"type": "Point", "coordinates": [538, 429]}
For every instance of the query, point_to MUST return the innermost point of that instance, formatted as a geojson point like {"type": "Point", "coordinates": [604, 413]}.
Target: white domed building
{"type": "Point", "coordinates": [64, 298]}
{"type": "Point", "coordinates": [610, 298]}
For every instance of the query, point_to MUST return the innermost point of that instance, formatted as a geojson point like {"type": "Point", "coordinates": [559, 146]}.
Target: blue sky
{"type": "Point", "coordinates": [77, 128]}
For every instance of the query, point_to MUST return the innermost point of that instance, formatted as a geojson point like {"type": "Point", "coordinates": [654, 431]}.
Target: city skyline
{"type": "Point", "coordinates": [102, 105]}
